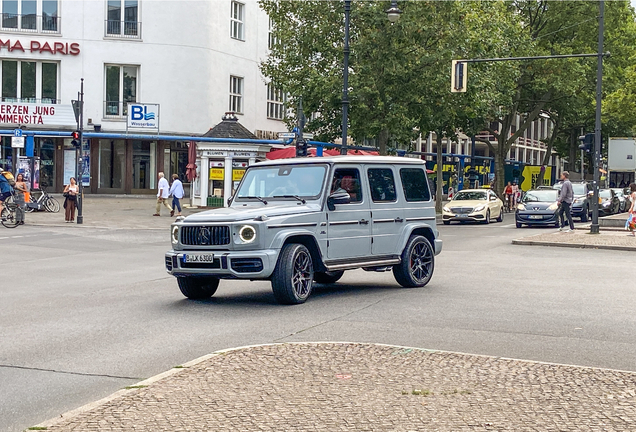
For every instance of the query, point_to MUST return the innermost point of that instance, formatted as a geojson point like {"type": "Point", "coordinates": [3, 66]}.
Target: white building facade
{"type": "Point", "coordinates": [195, 59]}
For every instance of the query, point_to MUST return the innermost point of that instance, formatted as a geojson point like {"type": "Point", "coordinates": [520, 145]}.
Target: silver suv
{"type": "Point", "coordinates": [300, 221]}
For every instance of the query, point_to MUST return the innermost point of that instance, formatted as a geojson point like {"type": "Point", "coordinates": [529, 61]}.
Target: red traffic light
{"type": "Point", "coordinates": [76, 135]}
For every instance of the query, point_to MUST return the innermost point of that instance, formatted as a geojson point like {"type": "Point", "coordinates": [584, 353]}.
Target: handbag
{"type": "Point", "coordinates": [65, 194]}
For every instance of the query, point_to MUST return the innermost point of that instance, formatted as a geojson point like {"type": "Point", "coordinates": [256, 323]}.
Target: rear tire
{"type": "Point", "coordinates": [518, 225]}
{"type": "Point", "coordinates": [198, 288]}
{"type": "Point", "coordinates": [292, 280]}
{"type": "Point", "coordinates": [10, 219]}
{"type": "Point", "coordinates": [328, 277]}
{"type": "Point", "coordinates": [418, 263]}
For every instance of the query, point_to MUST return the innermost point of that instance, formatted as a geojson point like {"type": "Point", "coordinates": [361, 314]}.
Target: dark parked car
{"type": "Point", "coordinates": [538, 207]}
{"type": "Point", "coordinates": [608, 202]}
{"type": "Point", "coordinates": [581, 207]}
{"type": "Point", "coordinates": [624, 199]}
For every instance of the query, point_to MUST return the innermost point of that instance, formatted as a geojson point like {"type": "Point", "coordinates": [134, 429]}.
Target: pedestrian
{"type": "Point", "coordinates": [508, 195]}
{"type": "Point", "coordinates": [70, 200]}
{"type": "Point", "coordinates": [163, 194]}
{"type": "Point", "coordinates": [6, 189]}
{"type": "Point", "coordinates": [176, 190]}
{"type": "Point", "coordinates": [566, 197]}
{"type": "Point", "coordinates": [516, 193]}
{"type": "Point", "coordinates": [631, 219]}
{"type": "Point", "coordinates": [21, 196]}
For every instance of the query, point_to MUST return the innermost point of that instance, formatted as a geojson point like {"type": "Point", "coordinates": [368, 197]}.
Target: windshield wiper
{"type": "Point", "coordinates": [256, 197]}
{"type": "Point", "coordinates": [291, 196]}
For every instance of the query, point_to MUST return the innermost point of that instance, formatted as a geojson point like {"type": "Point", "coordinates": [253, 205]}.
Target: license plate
{"type": "Point", "coordinates": [198, 258]}
{"type": "Point", "coordinates": [536, 217]}
{"type": "Point", "coordinates": [462, 216]}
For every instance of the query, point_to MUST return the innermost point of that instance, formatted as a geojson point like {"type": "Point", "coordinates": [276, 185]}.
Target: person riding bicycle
{"type": "Point", "coordinates": [6, 190]}
{"type": "Point", "coordinates": [508, 194]}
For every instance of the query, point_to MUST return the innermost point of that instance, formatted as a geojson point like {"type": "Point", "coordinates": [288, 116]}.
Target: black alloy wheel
{"type": "Point", "coordinates": [418, 263]}
{"type": "Point", "coordinates": [292, 280]}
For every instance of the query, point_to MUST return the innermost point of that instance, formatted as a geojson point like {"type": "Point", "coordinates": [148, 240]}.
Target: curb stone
{"type": "Point", "coordinates": [179, 369]}
{"type": "Point", "coordinates": [572, 245]}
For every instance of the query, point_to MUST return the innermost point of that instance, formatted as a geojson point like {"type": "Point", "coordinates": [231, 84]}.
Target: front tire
{"type": "Point", "coordinates": [11, 219]}
{"type": "Point", "coordinates": [418, 263]}
{"type": "Point", "coordinates": [198, 288]}
{"type": "Point", "coordinates": [519, 225]}
{"type": "Point", "coordinates": [328, 277]}
{"type": "Point", "coordinates": [501, 216]}
{"type": "Point", "coordinates": [52, 205]}
{"type": "Point", "coordinates": [292, 280]}
{"type": "Point", "coordinates": [487, 220]}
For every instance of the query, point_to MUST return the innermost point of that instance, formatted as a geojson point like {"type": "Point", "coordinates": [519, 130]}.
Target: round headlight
{"type": "Point", "coordinates": [175, 235]}
{"type": "Point", "coordinates": [247, 234]}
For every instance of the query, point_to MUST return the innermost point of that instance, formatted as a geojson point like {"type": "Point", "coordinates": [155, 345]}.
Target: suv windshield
{"type": "Point", "coordinates": [605, 193]}
{"type": "Point", "coordinates": [470, 196]}
{"type": "Point", "coordinates": [283, 180]}
{"type": "Point", "coordinates": [542, 195]}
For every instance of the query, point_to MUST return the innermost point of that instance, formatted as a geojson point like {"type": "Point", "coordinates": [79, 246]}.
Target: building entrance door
{"type": "Point", "coordinates": [112, 166]}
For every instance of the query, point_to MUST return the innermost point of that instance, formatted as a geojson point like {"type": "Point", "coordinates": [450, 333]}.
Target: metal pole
{"type": "Point", "coordinates": [80, 195]}
{"type": "Point", "coordinates": [345, 80]}
{"type": "Point", "coordinates": [582, 165]}
{"type": "Point", "coordinates": [594, 229]}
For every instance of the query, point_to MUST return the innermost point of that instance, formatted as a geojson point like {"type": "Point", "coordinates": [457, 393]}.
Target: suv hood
{"type": "Point", "coordinates": [251, 211]}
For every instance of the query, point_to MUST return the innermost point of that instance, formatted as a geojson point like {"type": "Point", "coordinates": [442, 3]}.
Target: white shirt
{"type": "Point", "coordinates": [164, 188]}
{"type": "Point", "coordinates": [176, 190]}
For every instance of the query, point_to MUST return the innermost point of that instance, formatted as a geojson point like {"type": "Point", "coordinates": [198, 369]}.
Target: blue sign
{"type": "Point", "coordinates": [17, 132]}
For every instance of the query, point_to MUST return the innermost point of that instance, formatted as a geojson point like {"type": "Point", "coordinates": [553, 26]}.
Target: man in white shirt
{"type": "Point", "coordinates": [162, 194]}
{"type": "Point", "coordinates": [176, 190]}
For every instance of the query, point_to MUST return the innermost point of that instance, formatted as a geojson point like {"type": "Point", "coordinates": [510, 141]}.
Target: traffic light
{"type": "Point", "coordinates": [458, 76]}
{"type": "Point", "coordinates": [587, 142]}
{"type": "Point", "coordinates": [76, 139]}
{"type": "Point", "coordinates": [301, 147]}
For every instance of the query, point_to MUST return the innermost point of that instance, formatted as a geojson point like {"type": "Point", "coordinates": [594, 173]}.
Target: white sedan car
{"type": "Point", "coordinates": [476, 205]}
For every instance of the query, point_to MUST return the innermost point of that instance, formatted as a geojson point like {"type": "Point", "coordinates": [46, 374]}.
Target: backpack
{"type": "Point", "coordinates": [10, 179]}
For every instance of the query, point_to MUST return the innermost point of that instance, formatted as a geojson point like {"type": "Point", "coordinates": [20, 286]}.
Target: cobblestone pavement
{"type": "Point", "coordinates": [363, 387]}
{"type": "Point", "coordinates": [122, 212]}
{"type": "Point", "coordinates": [607, 239]}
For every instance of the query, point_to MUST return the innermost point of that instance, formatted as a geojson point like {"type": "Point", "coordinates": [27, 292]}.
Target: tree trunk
{"type": "Point", "coordinates": [500, 172]}
{"type": "Point", "coordinates": [383, 140]}
{"type": "Point", "coordinates": [572, 165]}
{"type": "Point", "coordinates": [440, 173]}
{"type": "Point", "coordinates": [548, 152]}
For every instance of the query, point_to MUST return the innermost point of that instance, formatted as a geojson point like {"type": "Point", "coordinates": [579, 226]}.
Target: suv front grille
{"type": "Point", "coordinates": [205, 235]}
{"type": "Point", "coordinates": [461, 210]}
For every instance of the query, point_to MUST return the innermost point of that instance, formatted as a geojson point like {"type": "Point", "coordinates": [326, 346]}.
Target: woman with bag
{"type": "Point", "coordinates": [631, 219]}
{"type": "Point", "coordinates": [70, 194]}
{"type": "Point", "coordinates": [21, 196]}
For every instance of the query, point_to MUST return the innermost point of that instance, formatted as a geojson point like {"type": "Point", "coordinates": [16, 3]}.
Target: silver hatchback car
{"type": "Point", "coordinates": [298, 222]}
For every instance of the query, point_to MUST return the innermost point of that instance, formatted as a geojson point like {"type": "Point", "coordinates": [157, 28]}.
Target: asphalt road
{"type": "Point", "coordinates": [85, 312]}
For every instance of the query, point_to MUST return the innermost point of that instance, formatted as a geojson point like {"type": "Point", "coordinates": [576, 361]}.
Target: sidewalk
{"type": "Point", "coordinates": [116, 212]}
{"type": "Point", "coordinates": [607, 239]}
{"type": "Point", "coordinates": [363, 387]}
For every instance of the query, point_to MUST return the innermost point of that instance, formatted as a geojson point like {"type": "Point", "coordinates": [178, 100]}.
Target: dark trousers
{"type": "Point", "coordinates": [176, 204]}
{"type": "Point", "coordinates": [565, 208]}
{"type": "Point", "coordinates": [69, 206]}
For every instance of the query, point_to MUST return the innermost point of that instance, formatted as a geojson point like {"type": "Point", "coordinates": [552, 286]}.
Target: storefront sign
{"type": "Point", "coordinates": [243, 154]}
{"type": "Point", "coordinates": [217, 173]}
{"type": "Point", "coordinates": [37, 114]}
{"type": "Point", "coordinates": [38, 47]}
{"type": "Point", "coordinates": [143, 116]}
{"type": "Point", "coordinates": [209, 153]}
{"type": "Point", "coordinates": [237, 174]}
{"type": "Point", "coordinates": [69, 166]}
{"type": "Point", "coordinates": [17, 142]}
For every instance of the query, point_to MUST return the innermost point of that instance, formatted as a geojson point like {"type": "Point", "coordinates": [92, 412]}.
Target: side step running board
{"type": "Point", "coordinates": [347, 266]}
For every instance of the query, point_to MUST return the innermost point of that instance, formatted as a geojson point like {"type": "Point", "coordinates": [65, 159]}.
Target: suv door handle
{"type": "Point", "coordinates": [364, 222]}
{"type": "Point", "coordinates": [399, 219]}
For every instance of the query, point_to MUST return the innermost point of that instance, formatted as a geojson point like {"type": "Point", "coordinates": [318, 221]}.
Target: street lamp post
{"type": "Point", "coordinates": [594, 228]}
{"type": "Point", "coordinates": [80, 195]}
{"type": "Point", "coordinates": [393, 14]}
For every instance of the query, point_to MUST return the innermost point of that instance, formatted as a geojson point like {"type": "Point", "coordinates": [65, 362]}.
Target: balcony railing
{"type": "Point", "coordinates": [116, 109]}
{"type": "Point", "coordinates": [30, 100]}
{"type": "Point", "coordinates": [122, 29]}
{"type": "Point", "coordinates": [30, 23]}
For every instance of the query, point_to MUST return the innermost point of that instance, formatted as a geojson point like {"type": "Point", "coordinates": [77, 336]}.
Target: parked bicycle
{"type": "Point", "coordinates": [12, 214]}
{"type": "Point", "coordinates": [44, 201]}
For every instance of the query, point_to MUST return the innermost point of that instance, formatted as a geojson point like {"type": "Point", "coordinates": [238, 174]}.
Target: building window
{"type": "Point", "coordinates": [123, 19]}
{"type": "Point", "coordinates": [237, 17]}
{"type": "Point", "coordinates": [121, 89]}
{"type": "Point", "coordinates": [275, 103]}
{"type": "Point", "coordinates": [236, 95]}
{"type": "Point", "coordinates": [271, 39]}
{"type": "Point", "coordinates": [20, 78]}
{"type": "Point", "coordinates": [32, 16]}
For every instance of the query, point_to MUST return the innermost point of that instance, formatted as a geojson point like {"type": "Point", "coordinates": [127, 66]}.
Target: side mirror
{"type": "Point", "coordinates": [338, 197]}
{"type": "Point", "coordinates": [229, 200]}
